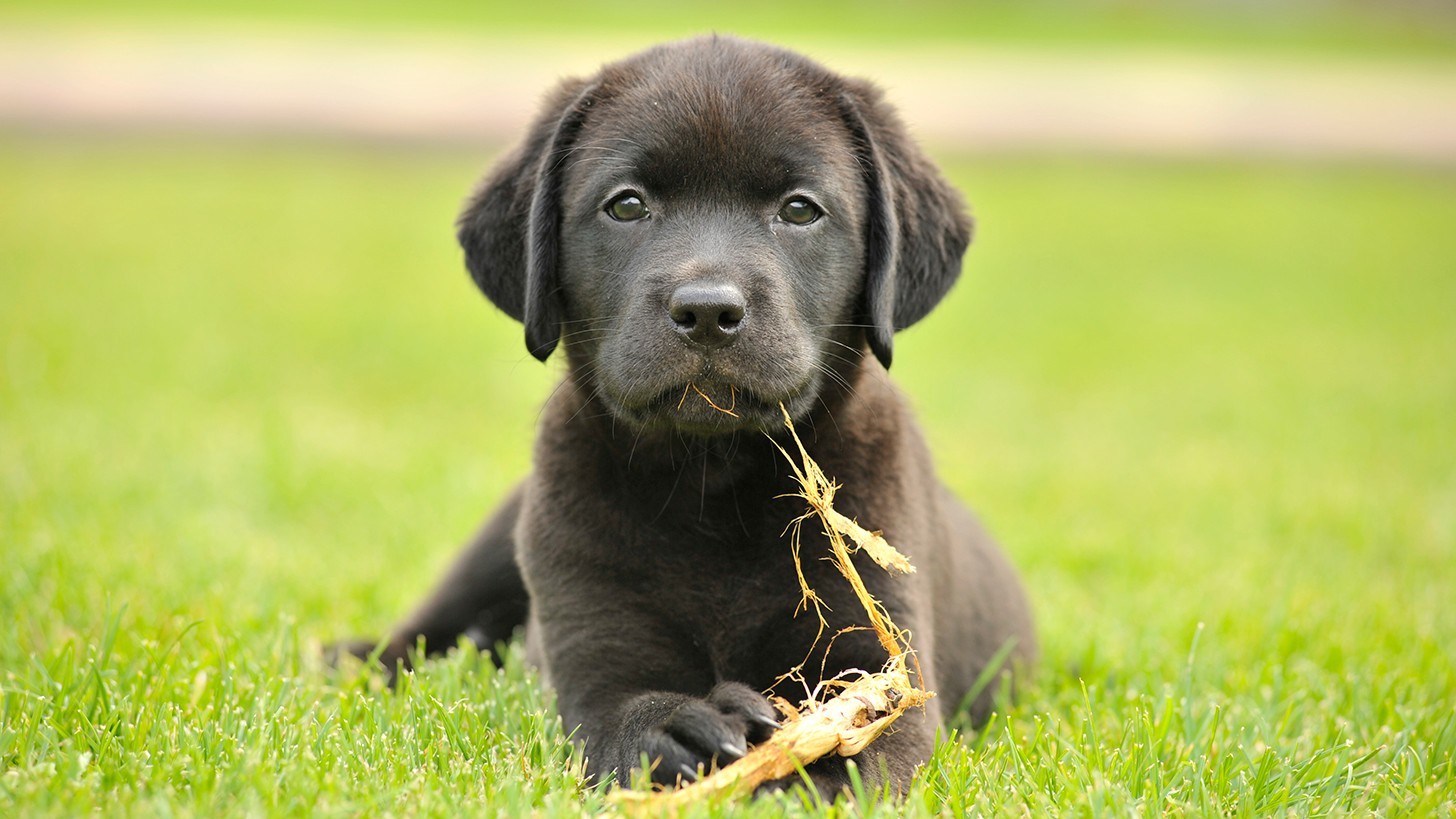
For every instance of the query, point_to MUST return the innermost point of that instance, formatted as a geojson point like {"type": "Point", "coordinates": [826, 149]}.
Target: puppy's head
{"type": "Point", "coordinates": [714, 225]}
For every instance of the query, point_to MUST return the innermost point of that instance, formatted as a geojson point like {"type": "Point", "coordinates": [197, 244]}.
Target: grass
{"type": "Point", "coordinates": [249, 402]}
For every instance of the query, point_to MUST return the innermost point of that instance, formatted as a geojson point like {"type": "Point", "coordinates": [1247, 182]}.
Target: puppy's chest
{"type": "Point", "coordinates": [723, 588]}
{"type": "Point", "coordinates": [723, 570]}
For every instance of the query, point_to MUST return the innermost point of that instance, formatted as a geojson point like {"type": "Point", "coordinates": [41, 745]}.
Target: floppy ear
{"type": "Point", "coordinates": [916, 224]}
{"type": "Point", "coordinates": [509, 228]}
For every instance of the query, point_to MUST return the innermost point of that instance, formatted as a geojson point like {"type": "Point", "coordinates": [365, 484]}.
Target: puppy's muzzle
{"type": "Point", "coordinates": [708, 314]}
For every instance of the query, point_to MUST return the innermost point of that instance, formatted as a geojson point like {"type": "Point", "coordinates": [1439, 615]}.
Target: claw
{"type": "Point", "coordinates": [688, 774]}
{"type": "Point", "coordinates": [767, 722]}
{"type": "Point", "coordinates": [732, 751]}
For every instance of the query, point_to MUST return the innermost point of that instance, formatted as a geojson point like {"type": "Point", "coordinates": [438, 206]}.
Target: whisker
{"type": "Point", "coordinates": [852, 349]}
{"type": "Point", "coordinates": [830, 415]}
{"type": "Point", "coordinates": [636, 439]}
{"type": "Point", "coordinates": [836, 378]}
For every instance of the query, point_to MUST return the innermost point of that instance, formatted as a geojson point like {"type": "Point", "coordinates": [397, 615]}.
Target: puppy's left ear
{"type": "Point", "coordinates": [916, 226]}
{"type": "Point", "coordinates": [511, 224]}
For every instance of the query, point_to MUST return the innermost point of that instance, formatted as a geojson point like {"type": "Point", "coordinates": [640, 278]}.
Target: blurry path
{"type": "Point", "coordinates": [439, 88]}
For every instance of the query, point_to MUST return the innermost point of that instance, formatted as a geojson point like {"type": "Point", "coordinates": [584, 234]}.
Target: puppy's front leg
{"type": "Point", "coordinates": [632, 685]}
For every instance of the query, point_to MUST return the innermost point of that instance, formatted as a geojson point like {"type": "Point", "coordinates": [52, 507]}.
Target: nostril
{"type": "Point", "coordinates": [685, 319]}
{"type": "Point", "coordinates": [732, 313]}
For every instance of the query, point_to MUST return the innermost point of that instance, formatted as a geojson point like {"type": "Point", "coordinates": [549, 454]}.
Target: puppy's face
{"type": "Point", "coordinates": [712, 245]}
{"type": "Point", "coordinates": [713, 228]}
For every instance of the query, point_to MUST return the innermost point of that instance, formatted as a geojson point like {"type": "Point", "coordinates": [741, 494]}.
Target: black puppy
{"type": "Point", "coordinates": [710, 229]}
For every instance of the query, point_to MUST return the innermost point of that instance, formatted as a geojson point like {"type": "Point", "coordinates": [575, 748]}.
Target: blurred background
{"type": "Point", "coordinates": [1199, 369]}
{"type": "Point", "coordinates": [1300, 77]}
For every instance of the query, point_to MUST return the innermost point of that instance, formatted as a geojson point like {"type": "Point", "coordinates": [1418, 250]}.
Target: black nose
{"type": "Point", "coordinates": [707, 313]}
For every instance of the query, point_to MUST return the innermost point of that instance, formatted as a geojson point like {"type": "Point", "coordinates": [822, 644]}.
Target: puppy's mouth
{"type": "Point", "coordinates": [651, 382]}
{"type": "Point", "coordinates": [711, 407]}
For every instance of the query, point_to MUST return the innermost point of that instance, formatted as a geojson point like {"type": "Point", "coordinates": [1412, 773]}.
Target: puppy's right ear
{"type": "Point", "coordinates": [511, 224]}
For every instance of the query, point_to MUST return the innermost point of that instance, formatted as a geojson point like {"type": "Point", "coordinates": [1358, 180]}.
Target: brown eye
{"type": "Point", "coordinates": [799, 212]}
{"type": "Point", "coordinates": [627, 207]}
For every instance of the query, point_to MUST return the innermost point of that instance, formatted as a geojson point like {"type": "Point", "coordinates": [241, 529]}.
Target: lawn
{"type": "Point", "coordinates": [249, 402]}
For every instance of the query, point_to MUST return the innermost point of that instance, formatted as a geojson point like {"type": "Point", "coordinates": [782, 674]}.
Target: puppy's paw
{"type": "Point", "coordinates": [701, 734]}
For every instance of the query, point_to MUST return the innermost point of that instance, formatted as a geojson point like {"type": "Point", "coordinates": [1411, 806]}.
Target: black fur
{"type": "Point", "coordinates": [645, 554]}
